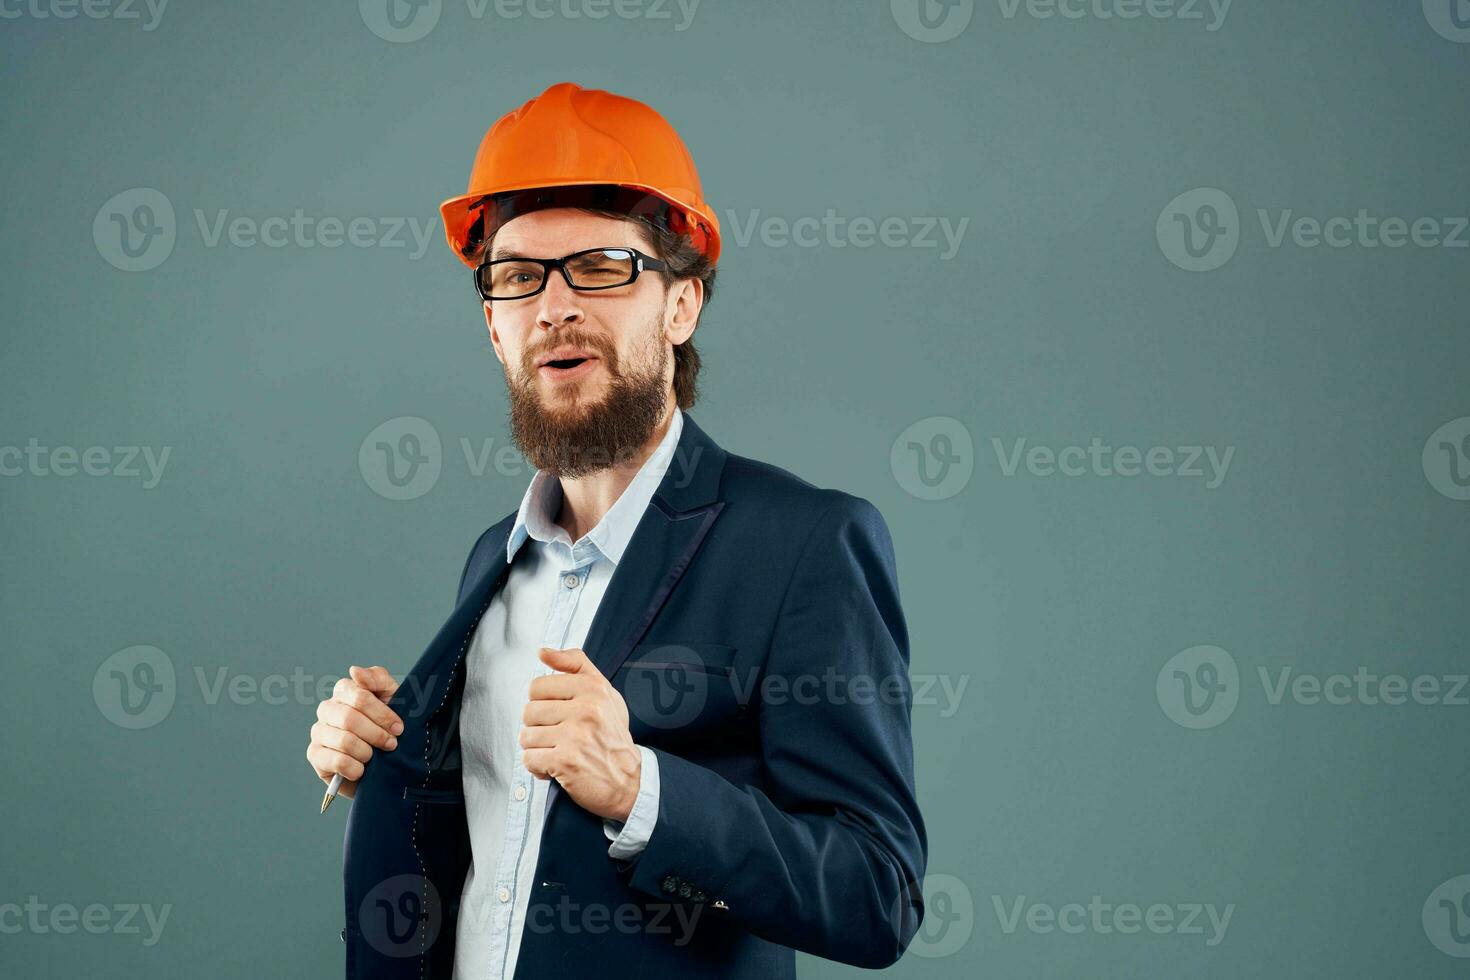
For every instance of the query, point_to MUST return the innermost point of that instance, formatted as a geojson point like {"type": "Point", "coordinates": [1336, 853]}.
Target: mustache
{"type": "Point", "coordinates": [601, 346]}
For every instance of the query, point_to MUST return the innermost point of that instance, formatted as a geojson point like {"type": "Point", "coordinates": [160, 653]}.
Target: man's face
{"type": "Point", "coordinates": [613, 380]}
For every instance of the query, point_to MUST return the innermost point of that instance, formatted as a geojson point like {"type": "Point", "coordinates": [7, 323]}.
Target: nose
{"type": "Point", "coordinates": [560, 305]}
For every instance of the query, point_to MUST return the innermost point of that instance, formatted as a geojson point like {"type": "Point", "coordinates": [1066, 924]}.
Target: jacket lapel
{"type": "Point", "coordinates": [679, 515]}
{"type": "Point", "coordinates": [428, 682]}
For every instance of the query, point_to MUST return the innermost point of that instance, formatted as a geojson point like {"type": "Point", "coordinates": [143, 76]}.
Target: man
{"type": "Point", "coordinates": [665, 731]}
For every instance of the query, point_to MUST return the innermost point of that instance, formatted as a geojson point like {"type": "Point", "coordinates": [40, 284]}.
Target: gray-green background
{"type": "Point", "coordinates": [1336, 541]}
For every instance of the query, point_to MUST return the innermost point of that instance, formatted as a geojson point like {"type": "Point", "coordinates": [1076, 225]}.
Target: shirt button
{"type": "Point", "coordinates": [504, 894]}
{"type": "Point", "coordinates": [571, 580]}
{"type": "Point", "coordinates": [520, 792]}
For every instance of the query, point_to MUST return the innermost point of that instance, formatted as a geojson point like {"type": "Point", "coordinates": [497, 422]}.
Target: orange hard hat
{"type": "Point", "coordinates": [579, 147]}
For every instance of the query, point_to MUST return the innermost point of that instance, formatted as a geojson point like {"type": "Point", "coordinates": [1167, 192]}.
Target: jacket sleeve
{"type": "Point", "coordinates": [829, 858]}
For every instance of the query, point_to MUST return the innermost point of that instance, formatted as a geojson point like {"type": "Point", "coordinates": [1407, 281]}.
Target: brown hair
{"type": "Point", "coordinates": [684, 261]}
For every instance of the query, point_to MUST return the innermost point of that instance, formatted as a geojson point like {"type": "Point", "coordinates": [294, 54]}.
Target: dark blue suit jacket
{"type": "Point", "coordinates": [754, 629]}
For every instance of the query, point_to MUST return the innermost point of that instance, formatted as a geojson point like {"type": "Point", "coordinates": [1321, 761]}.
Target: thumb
{"type": "Point", "coordinates": [375, 679]}
{"type": "Point", "coordinates": [567, 661]}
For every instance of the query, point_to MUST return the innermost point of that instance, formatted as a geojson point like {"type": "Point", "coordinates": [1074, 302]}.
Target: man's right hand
{"type": "Point", "coordinates": [354, 721]}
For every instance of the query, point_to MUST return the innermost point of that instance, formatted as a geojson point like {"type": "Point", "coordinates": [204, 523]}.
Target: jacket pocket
{"type": "Point", "coordinates": [708, 658]}
{"type": "Point", "coordinates": [419, 794]}
{"type": "Point", "coordinates": [677, 691]}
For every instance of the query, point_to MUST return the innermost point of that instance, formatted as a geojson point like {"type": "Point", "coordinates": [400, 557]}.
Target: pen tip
{"type": "Point", "coordinates": [327, 801]}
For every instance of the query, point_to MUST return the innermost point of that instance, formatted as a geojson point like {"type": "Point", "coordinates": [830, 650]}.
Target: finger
{"type": "Point", "coordinates": [352, 694]}
{"type": "Point", "coordinates": [375, 679]}
{"type": "Point", "coordinates": [341, 740]}
{"type": "Point", "coordinates": [328, 762]}
{"type": "Point", "coordinates": [339, 715]}
{"type": "Point", "coordinates": [550, 712]}
{"type": "Point", "coordinates": [569, 661]}
{"type": "Point", "coordinates": [538, 761]}
{"type": "Point", "coordinates": [541, 736]}
{"type": "Point", "coordinates": [556, 686]}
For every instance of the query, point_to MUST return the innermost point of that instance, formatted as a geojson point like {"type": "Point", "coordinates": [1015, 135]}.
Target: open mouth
{"type": "Point", "coordinates": [567, 368]}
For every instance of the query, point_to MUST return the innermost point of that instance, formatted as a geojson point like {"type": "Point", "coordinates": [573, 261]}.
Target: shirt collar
{"type": "Point", "coordinates": [537, 515]}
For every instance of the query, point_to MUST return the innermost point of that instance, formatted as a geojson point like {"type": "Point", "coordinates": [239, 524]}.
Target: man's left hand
{"type": "Point", "coordinates": [576, 732]}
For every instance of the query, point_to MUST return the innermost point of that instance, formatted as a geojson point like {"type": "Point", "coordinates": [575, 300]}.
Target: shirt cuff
{"type": "Point", "coordinates": [631, 837]}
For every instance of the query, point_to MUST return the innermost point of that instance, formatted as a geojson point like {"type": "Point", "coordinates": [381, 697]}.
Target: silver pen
{"type": "Point", "coordinates": [332, 788]}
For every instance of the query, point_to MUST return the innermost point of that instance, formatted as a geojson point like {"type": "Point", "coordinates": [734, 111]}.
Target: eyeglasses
{"type": "Point", "coordinates": [587, 270]}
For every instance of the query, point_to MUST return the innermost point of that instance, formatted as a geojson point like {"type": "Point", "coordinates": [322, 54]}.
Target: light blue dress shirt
{"type": "Point", "coordinates": [549, 598]}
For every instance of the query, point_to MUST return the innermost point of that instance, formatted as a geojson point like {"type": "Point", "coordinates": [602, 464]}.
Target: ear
{"type": "Point", "coordinates": [686, 299]}
{"type": "Point", "coordinates": [494, 334]}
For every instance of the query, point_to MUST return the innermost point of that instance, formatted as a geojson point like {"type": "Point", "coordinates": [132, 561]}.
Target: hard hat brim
{"type": "Point", "coordinates": [460, 214]}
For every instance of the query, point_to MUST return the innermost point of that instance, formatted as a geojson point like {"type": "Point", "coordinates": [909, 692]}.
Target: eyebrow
{"type": "Point", "coordinates": [510, 253]}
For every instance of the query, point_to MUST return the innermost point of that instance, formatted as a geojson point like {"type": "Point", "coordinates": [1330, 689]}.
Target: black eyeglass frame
{"type": "Point", "coordinates": [641, 263]}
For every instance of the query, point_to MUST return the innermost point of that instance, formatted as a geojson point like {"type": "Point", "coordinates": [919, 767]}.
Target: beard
{"type": "Point", "coordinates": [577, 437]}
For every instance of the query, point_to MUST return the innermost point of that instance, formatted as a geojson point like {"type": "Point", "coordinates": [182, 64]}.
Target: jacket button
{"type": "Point", "coordinates": [343, 934]}
{"type": "Point", "coordinates": [670, 884]}
{"type": "Point", "coordinates": [684, 890]}
{"type": "Point", "coordinates": [700, 896]}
